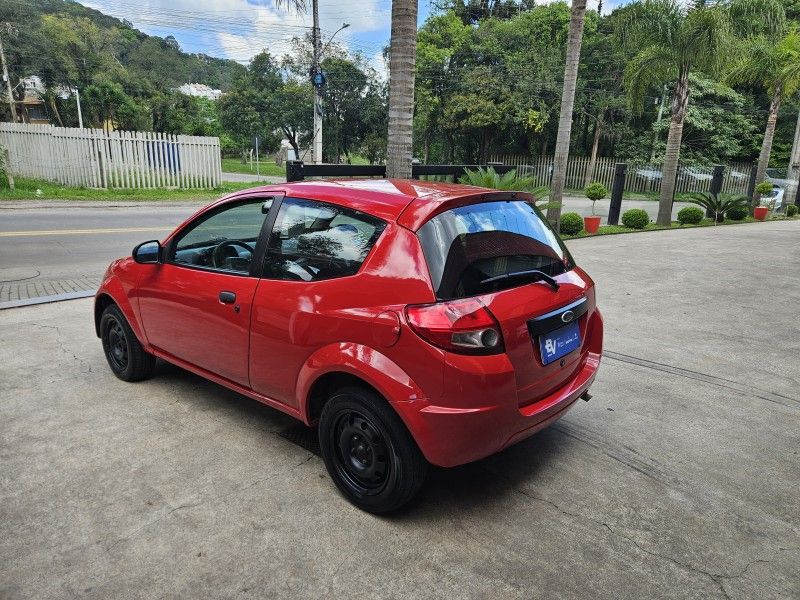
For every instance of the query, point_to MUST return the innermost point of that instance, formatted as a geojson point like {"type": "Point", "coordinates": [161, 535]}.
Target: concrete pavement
{"type": "Point", "coordinates": [677, 480]}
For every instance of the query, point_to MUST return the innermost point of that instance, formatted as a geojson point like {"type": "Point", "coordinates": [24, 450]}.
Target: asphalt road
{"type": "Point", "coordinates": [678, 479]}
{"type": "Point", "coordinates": [44, 245]}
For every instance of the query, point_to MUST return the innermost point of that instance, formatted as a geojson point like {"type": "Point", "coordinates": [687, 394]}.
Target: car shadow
{"type": "Point", "coordinates": [468, 487]}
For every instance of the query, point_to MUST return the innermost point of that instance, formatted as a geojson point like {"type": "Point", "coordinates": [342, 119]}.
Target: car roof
{"type": "Point", "coordinates": [386, 199]}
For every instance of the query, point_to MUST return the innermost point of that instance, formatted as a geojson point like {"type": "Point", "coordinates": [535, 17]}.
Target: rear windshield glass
{"type": "Point", "coordinates": [467, 245]}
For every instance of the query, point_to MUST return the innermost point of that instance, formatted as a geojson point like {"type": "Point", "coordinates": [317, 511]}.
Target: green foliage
{"type": "Point", "coordinates": [489, 178]}
{"type": "Point", "coordinates": [791, 210]}
{"type": "Point", "coordinates": [690, 215]}
{"type": "Point", "coordinates": [718, 204]}
{"type": "Point", "coordinates": [635, 218]}
{"type": "Point", "coordinates": [571, 223]}
{"type": "Point", "coordinates": [763, 188]}
{"type": "Point", "coordinates": [4, 183]}
{"type": "Point", "coordinates": [596, 191]}
{"type": "Point", "coordinates": [738, 213]}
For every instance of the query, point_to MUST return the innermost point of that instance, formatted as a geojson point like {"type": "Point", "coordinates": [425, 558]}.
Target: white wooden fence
{"type": "Point", "coordinates": [639, 177]}
{"type": "Point", "coordinates": [117, 159]}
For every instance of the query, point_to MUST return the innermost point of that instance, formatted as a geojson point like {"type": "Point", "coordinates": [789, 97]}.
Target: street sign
{"type": "Point", "coordinates": [319, 79]}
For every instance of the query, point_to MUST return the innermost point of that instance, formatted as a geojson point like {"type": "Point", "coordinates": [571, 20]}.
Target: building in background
{"type": "Point", "coordinates": [200, 90]}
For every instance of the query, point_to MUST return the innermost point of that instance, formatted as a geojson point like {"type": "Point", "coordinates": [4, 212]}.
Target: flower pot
{"type": "Point", "coordinates": [591, 224]}
{"type": "Point", "coordinates": [760, 212]}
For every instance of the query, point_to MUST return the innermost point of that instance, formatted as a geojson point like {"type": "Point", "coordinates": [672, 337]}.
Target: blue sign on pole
{"type": "Point", "coordinates": [319, 79]}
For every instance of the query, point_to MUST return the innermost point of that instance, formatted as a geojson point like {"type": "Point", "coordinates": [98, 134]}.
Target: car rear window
{"type": "Point", "coordinates": [314, 240]}
{"type": "Point", "coordinates": [469, 244]}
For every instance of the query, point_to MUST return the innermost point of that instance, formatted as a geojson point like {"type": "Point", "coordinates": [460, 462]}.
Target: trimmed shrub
{"type": "Point", "coordinates": [636, 218]}
{"type": "Point", "coordinates": [791, 210]}
{"type": "Point", "coordinates": [763, 188]}
{"type": "Point", "coordinates": [690, 215]}
{"type": "Point", "coordinates": [571, 223]}
{"type": "Point", "coordinates": [738, 213]}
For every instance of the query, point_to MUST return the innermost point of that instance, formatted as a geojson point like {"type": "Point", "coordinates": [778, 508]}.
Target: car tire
{"type": "Point", "coordinates": [369, 453]}
{"type": "Point", "coordinates": [125, 355]}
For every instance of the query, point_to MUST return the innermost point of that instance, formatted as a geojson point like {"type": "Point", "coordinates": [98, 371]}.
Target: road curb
{"type": "Point", "coordinates": [47, 299]}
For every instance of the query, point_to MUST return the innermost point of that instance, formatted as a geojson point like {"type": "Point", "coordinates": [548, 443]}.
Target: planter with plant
{"type": "Point", "coordinates": [767, 202]}
{"type": "Point", "coordinates": [594, 191]}
{"type": "Point", "coordinates": [718, 204]}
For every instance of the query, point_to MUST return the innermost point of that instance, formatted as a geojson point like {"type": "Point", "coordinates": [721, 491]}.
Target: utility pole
{"type": "Point", "coordinates": [317, 42]}
{"type": "Point", "coordinates": [7, 27]}
{"type": "Point", "coordinates": [793, 172]}
{"type": "Point", "coordinates": [658, 121]}
{"type": "Point", "coordinates": [78, 102]}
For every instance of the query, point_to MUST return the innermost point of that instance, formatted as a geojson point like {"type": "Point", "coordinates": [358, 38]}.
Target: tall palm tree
{"type": "Point", "coordinates": [773, 66]}
{"type": "Point", "coordinates": [670, 39]}
{"type": "Point", "coordinates": [402, 58]}
{"type": "Point", "coordinates": [574, 38]}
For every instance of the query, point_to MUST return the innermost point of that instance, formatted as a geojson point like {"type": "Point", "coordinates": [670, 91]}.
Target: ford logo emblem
{"type": "Point", "coordinates": [567, 316]}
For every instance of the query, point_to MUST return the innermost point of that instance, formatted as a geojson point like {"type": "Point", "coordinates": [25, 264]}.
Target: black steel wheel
{"type": "Point", "coordinates": [368, 451]}
{"type": "Point", "coordinates": [125, 355]}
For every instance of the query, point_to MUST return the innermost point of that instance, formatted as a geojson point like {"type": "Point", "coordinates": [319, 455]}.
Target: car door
{"type": "Point", "coordinates": [196, 305]}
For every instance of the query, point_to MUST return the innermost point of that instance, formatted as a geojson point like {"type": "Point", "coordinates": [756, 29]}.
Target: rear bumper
{"type": "Point", "coordinates": [453, 435]}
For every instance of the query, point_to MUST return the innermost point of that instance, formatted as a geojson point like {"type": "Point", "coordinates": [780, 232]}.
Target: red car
{"type": "Point", "coordinates": [412, 322]}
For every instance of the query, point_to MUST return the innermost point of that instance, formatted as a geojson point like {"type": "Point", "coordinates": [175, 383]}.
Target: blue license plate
{"type": "Point", "coordinates": [555, 344]}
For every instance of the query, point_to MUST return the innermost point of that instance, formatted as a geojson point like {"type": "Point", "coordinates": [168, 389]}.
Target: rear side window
{"type": "Point", "coordinates": [313, 240]}
{"type": "Point", "coordinates": [467, 245]}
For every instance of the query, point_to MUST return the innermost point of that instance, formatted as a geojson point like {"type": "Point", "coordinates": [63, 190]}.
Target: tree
{"type": "Point", "coordinates": [399, 140]}
{"type": "Point", "coordinates": [567, 103]}
{"type": "Point", "coordinates": [670, 40]}
{"type": "Point", "coordinates": [769, 64]}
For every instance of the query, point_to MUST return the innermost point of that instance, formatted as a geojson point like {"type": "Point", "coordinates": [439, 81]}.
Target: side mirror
{"type": "Point", "coordinates": [147, 253]}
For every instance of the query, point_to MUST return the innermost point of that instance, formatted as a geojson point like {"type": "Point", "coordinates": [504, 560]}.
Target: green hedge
{"type": "Point", "coordinates": [738, 213]}
{"type": "Point", "coordinates": [571, 223]}
{"type": "Point", "coordinates": [791, 210]}
{"type": "Point", "coordinates": [690, 215]}
{"type": "Point", "coordinates": [636, 218]}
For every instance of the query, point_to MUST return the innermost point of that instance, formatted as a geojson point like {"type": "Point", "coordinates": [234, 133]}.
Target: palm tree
{"type": "Point", "coordinates": [773, 66]}
{"type": "Point", "coordinates": [574, 38]}
{"type": "Point", "coordinates": [402, 58]}
{"type": "Point", "coordinates": [671, 39]}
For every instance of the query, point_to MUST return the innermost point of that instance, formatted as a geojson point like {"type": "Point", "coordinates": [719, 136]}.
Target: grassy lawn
{"type": "Point", "coordinates": [616, 229]}
{"type": "Point", "coordinates": [265, 167]}
{"type": "Point", "coordinates": [26, 189]}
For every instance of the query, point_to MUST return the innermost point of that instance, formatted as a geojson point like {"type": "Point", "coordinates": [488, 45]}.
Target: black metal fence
{"type": "Point", "coordinates": [297, 170]}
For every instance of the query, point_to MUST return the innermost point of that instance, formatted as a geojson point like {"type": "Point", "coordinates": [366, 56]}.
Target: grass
{"type": "Point", "coordinates": [617, 229]}
{"type": "Point", "coordinates": [26, 189]}
{"type": "Point", "coordinates": [265, 167]}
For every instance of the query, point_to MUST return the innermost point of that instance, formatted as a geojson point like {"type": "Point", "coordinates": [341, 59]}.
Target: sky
{"type": "Point", "coordinates": [238, 29]}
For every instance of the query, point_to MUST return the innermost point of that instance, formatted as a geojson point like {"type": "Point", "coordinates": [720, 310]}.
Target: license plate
{"type": "Point", "coordinates": [555, 344]}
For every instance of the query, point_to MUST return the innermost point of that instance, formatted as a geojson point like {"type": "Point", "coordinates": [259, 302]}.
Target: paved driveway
{"type": "Point", "coordinates": [678, 479]}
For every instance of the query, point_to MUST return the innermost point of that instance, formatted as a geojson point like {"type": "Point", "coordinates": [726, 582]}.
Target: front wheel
{"type": "Point", "coordinates": [368, 451]}
{"type": "Point", "coordinates": [125, 355]}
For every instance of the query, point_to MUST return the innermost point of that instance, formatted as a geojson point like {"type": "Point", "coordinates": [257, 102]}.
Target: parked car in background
{"type": "Point", "coordinates": [775, 198]}
{"type": "Point", "coordinates": [411, 322]}
{"type": "Point", "coordinates": [651, 174]}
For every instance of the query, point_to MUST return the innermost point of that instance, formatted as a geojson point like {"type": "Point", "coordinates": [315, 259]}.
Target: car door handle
{"type": "Point", "coordinates": [227, 297]}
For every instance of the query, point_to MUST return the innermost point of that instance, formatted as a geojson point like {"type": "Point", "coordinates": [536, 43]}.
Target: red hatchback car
{"type": "Point", "coordinates": [412, 322]}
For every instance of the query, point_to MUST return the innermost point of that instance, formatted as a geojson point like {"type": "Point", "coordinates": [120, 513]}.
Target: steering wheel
{"type": "Point", "coordinates": [218, 256]}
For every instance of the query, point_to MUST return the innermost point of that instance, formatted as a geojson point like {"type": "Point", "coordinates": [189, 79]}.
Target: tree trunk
{"type": "Point", "coordinates": [54, 108]}
{"type": "Point", "coordinates": [598, 128]}
{"type": "Point", "coordinates": [567, 103]}
{"type": "Point", "coordinates": [793, 172]}
{"type": "Point", "coordinates": [680, 101]}
{"type": "Point", "coordinates": [769, 135]}
{"type": "Point", "coordinates": [403, 49]}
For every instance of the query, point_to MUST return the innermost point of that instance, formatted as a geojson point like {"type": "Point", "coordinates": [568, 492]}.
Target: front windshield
{"type": "Point", "coordinates": [469, 244]}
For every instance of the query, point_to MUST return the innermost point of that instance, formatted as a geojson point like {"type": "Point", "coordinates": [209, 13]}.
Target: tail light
{"type": "Point", "coordinates": [463, 326]}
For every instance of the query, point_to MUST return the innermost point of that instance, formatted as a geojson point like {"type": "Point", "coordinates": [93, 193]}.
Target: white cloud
{"type": "Point", "coordinates": [238, 29]}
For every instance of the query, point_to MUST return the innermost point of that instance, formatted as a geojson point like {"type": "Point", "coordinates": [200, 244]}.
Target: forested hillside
{"type": "Point", "coordinates": [121, 72]}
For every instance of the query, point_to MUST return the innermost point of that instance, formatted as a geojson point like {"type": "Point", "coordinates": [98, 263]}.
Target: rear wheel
{"type": "Point", "coordinates": [368, 451]}
{"type": "Point", "coordinates": [125, 355]}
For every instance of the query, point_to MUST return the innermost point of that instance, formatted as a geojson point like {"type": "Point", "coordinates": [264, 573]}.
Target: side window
{"type": "Point", "coordinates": [226, 240]}
{"type": "Point", "coordinates": [315, 240]}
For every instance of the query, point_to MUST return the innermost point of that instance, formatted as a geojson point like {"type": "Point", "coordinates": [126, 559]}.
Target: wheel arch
{"type": "Point", "coordinates": [339, 365]}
